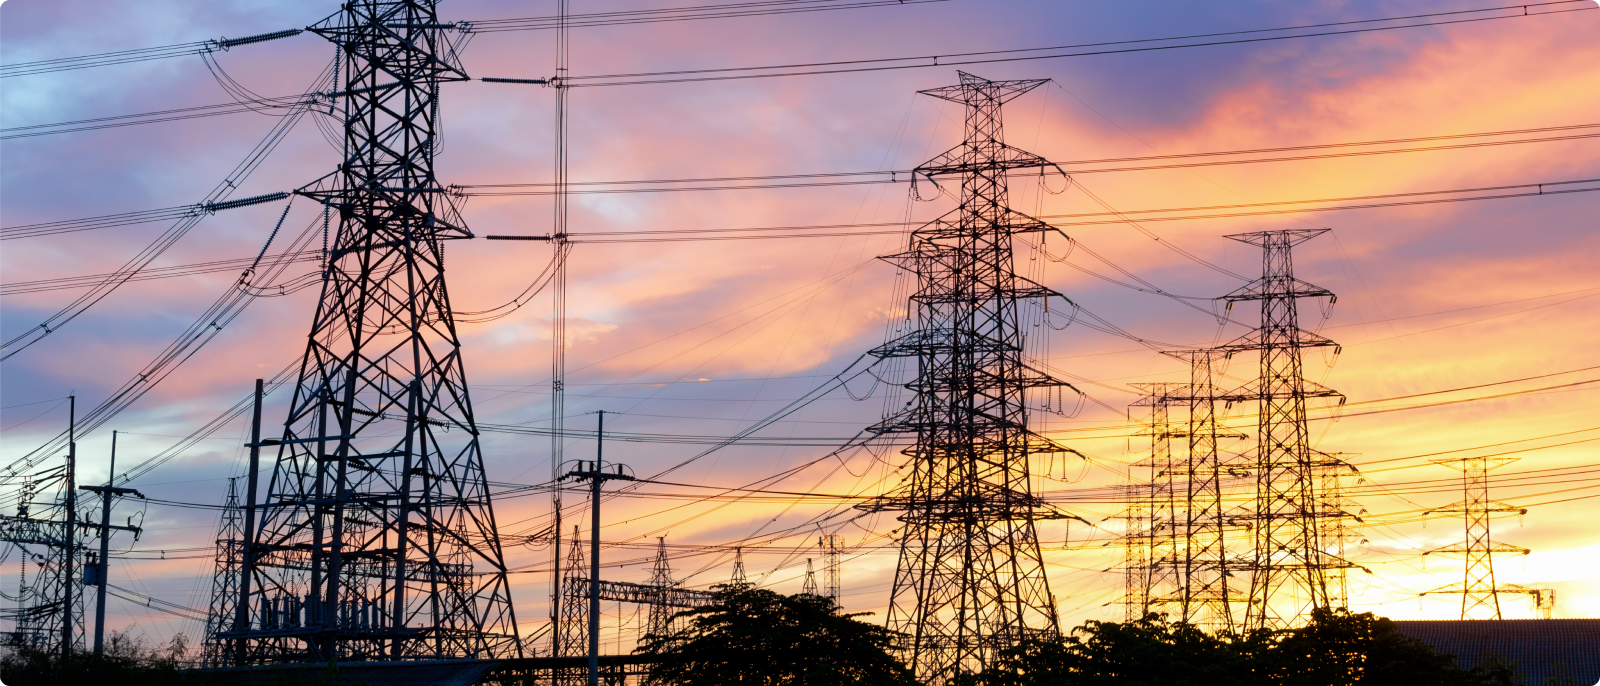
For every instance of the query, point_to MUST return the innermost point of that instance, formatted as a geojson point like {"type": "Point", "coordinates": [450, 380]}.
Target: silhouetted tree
{"type": "Point", "coordinates": [756, 637]}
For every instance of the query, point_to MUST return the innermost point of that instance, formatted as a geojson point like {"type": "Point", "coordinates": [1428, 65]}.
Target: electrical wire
{"type": "Point", "coordinates": [1104, 48]}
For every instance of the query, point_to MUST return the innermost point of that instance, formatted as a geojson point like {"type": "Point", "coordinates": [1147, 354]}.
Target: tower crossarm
{"type": "Point", "coordinates": [1473, 548]}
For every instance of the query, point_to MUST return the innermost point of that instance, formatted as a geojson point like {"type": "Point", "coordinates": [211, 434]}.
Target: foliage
{"type": "Point", "coordinates": [1337, 648]}
{"type": "Point", "coordinates": [128, 659]}
{"type": "Point", "coordinates": [757, 637]}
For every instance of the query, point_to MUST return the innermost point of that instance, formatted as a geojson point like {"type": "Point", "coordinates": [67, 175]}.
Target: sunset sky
{"type": "Point", "coordinates": [706, 337]}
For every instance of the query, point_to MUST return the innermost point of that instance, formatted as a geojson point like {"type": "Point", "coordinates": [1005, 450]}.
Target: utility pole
{"type": "Point", "coordinates": [597, 474]}
{"type": "Point", "coordinates": [71, 519]}
{"type": "Point", "coordinates": [970, 580]}
{"type": "Point", "coordinates": [102, 568]}
{"type": "Point", "coordinates": [241, 608]}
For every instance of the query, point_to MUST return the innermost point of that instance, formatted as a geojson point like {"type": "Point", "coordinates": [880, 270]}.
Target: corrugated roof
{"type": "Point", "coordinates": [1546, 652]}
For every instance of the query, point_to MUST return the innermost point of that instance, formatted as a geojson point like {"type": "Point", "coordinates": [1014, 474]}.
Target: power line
{"type": "Point", "coordinates": [669, 14]}
{"type": "Point", "coordinates": [675, 14]}
{"type": "Point", "coordinates": [1104, 48]}
{"type": "Point", "coordinates": [138, 55]}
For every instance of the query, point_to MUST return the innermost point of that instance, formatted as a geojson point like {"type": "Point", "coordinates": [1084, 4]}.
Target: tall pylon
{"type": "Point", "coordinates": [1291, 559]}
{"type": "Point", "coordinates": [1151, 580]}
{"type": "Point", "coordinates": [970, 580]}
{"type": "Point", "coordinates": [1209, 591]}
{"type": "Point", "coordinates": [1177, 537]}
{"type": "Point", "coordinates": [377, 539]}
{"type": "Point", "coordinates": [1480, 596]}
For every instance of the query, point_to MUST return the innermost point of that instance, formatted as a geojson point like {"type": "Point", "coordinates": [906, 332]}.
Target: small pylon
{"type": "Point", "coordinates": [1480, 597]}
{"type": "Point", "coordinates": [739, 577]}
{"type": "Point", "coordinates": [810, 586]}
{"type": "Point", "coordinates": [660, 621]}
{"type": "Point", "coordinates": [830, 566]}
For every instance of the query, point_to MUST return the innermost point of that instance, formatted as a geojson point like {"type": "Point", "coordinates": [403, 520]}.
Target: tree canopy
{"type": "Point", "coordinates": [751, 636]}
{"type": "Point", "coordinates": [1337, 648]}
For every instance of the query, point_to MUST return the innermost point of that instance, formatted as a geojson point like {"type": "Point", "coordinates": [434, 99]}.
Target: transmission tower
{"type": "Point", "coordinates": [1480, 597]}
{"type": "Point", "coordinates": [1151, 569]}
{"type": "Point", "coordinates": [809, 587]}
{"type": "Point", "coordinates": [829, 543]}
{"type": "Point", "coordinates": [1292, 559]}
{"type": "Point", "coordinates": [738, 577]}
{"type": "Point", "coordinates": [377, 538]}
{"type": "Point", "coordinates": [572, 637]}
{"type": "Point", "coordinates": [661, 611]}
{"type": "Point", "coordinates": [1208, 594]}
{"type": "Point", "coordinates": [49, 616]}
{"type": "Point", "coordinates": [970, 580]}
{"type": "Point", "coordinates": [225, 577]}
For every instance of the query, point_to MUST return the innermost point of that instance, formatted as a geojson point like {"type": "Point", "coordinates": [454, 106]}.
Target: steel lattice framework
{"type": "Point", "coordinates": [970, 579]}
{"type": "Point", "coordinates": [1182, 531]}
{"type": "Point", "coordinates": [1150, 574]}
{"type": "Point", "coordinates": [1480, 596]}
{"type": "Point", "coordinates": [225, 578]}
{"type": "Point", "coordinates": [377, 539]}
{"type": "Point", "coordinates": [1292, 556]}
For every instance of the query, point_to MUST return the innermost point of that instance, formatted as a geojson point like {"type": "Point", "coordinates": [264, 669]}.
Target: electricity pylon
{"type": "Point", "coordinates": [377, 539]}
{"type": "Point", "coordinates": [1177, 558]}
{"type": "Point", "coordinates": [1480, 596]}
{"type": "Point", "coordinates": [970, 580]}
{"type": "Point", "coordinates": [1152, 536]}
{"type": "Point", "coordinates": [829, 543]}
{"type": "Point", "coordinates": [661, 611]}
{"type": "Point", "coordinates": [224, 578]}
{"type": "Point", "coordinates": [1291, 559]}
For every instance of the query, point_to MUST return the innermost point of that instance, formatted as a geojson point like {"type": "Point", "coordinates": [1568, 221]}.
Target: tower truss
{"type": "Point", "coordinates": [1291, 556]}
{"type": "Point", "coordinates": [970, 580]}
{"type": "Point", "coordinates": [1180, 518]}
{"type": "Point", "coordinates": [1480, 595]}
{"type": "Point", "coordinates": [377, 539]}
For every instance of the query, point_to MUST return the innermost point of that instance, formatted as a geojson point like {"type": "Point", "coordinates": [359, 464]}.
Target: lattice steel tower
{"type": "Point", "coordinates": [1152, 535]}
{"type": "Point", "coordinates": [377, 540]}
{"type": "Point", "coordinates": [1180, 520]}
{"type": "Point", "coordinates": [1289, 572]}
{"type": "Point", "coordinates": [970, 579]}
{"type": "Point", "coordinates": [1480, 597]}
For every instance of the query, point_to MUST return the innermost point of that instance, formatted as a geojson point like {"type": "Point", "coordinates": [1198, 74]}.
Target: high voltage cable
{"type": "Point", "coordinates": [904, 175]}
{"type": "Point", "coordinates": [704, 74]}
{"type": "Point", "coordinates": [673, 14]}
{"type": "Point", "coordinates": [217, 199]}
{"type": "Point", "coordinates": [1103, 48]}
{"type": "Point", "coordinates": [696, 12]}
{"type": "Point", "coordinates": [139, 54]}
{"type": "Point", "coordinates": [823, 231]}
{"type": "Point", "coordinates": [151, 273]}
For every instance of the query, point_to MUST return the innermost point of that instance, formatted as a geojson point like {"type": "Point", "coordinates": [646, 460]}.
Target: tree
{"type": "Point", "coordinates": [1338, 647]}
{"type": "Point", "coordinates": [1147, 652]}
{"type": "Point", "coordinates": [751, 636]}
